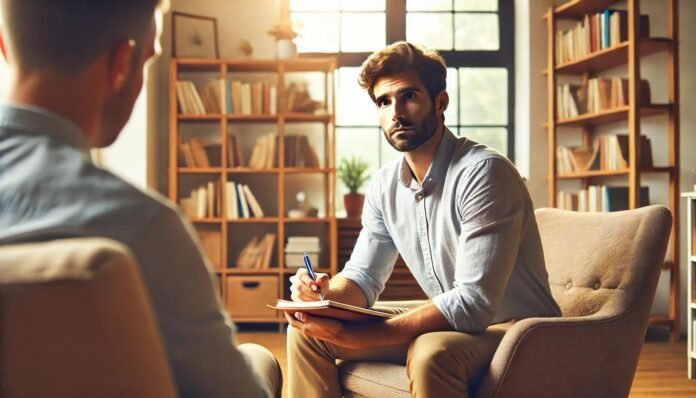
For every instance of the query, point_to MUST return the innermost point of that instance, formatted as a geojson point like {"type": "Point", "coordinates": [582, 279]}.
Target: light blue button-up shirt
{"type": "Point", "coordinates": [50, 189]}
{"type": "Point", "coordinates": [468, 234]}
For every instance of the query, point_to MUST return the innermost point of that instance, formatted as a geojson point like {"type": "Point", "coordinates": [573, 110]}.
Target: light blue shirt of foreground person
{"type": "Point", "coordinates": [468, 234]}
{"type": "Point", "coordinates": [50, 189]}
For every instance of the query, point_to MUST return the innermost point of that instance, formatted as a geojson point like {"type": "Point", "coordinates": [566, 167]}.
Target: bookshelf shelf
{"type": "Point", "coordinates": [206, 220]}
{"type": "Point", "coordinates": [230, 140]}
{"type": "Point", "coordinates": [569, 98]}
{"type": "Point", "coordinates": [271, 220]}
{"type": "Point", "coordinates": [613, 115]}
{"type": "Point", "coordinates": [578, 8]}
{"type": "Point", "coordinates": [611, 57]}
{"type": "Point", "coordinates": [306, 170]}
{"type": "Point", "coordinates": [593, 173]}
{"type": "Point", "coordinates": [247, 170]}
{"type": "Point", "coordinates": [199, 170]}
{"type": "Point", "coordinates": [306, 220]}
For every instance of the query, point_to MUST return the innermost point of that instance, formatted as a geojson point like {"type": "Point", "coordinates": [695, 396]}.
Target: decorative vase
{"type": "Point", "coordinates": [353, 202]}
{"type": "Point", "coordinates": [286, 49]}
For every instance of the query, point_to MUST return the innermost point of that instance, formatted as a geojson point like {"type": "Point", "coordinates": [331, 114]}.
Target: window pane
{"type": "Point", "coordinates": [483, 96]}
{"type": "Point", "coordinates": [495, 137]}
{"type": "Point", "coordinates": [363, 5]}
{"type": "Point", "coordinates": [476, 32]}
{"type": "Point", "coordinates": [476, 5]}
{"type": "Point", "coordinates": [318, 31]}
{"type": "Point", "coordinates": [363, 32]}
{"type": "Point", "coordinates": [362, 142]}
{"type": "Point", "coordinates": [433, 30]}
{"type": "Point", "coordinates": [428, 5]}
{"type": "Point", "coordinates": [314, 5]}
{"type": "Point", "coordinates": [452, 114]}
{"type": "Point", "coordinates": [353, 105]}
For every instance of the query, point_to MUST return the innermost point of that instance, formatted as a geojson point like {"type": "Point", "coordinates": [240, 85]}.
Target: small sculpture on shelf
{"type": "Point", "coordinates": [303, 208]}
{"type": "Point", "coordinates": [353, 174]}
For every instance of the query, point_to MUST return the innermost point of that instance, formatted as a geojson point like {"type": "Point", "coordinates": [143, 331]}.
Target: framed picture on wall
{"type": "Point", "coordinates": [194, 36]}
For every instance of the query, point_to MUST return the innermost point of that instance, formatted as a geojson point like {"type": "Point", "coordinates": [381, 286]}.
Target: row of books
{"type": "Point", "coordinates": [297, 246]}
{"type": "Point", "coordinates": [298, 152]}
{"type": "Point", "coordinates": [594, 33]}
{"type": "Point", "coordinates": [609, 152]}
{"type": "Point", "coordinates": [595, 95]}
{"type": "Point", "coordinates": [600, 198]}
{"type": "Point", "coordinates": [257, 252]}
{"type": "Point", "coordinates": [230, 97]}
{"type": "Point", "coordinates": [206, 202]}
{"type": "Point", "coordinates": [201, 153]}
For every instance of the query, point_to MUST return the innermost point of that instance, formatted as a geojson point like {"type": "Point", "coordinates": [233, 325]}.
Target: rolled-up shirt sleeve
{"type": "Point", "coordinates": [374, 254]}
{"type": "Point", "coordinates": [494, 207]}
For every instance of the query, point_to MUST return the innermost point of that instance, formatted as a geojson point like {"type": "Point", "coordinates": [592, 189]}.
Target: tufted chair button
{"type": "Point", "coordinates": [596, 286]}
{"type": "Point", "coordinates": [569, 285]}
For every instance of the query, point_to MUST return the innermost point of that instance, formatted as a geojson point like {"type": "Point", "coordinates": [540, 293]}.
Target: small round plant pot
{"type": "Point", "coordinates": [286, 49]}
{"type": "Point", "coordinates": [353, 202]}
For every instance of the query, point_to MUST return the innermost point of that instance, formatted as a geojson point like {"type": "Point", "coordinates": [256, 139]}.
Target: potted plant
{"type": "Point", "coordinates": [284, 34]}
{"type": "Point", "coordinates": [353, 174]}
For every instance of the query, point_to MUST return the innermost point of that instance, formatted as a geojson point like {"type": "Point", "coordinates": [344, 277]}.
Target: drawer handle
{"type": "Point", "coordinates": [251, 285]}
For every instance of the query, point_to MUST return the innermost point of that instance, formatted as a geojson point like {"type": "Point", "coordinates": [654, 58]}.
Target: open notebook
{"type": "Point", "coordinates": [331, 309]}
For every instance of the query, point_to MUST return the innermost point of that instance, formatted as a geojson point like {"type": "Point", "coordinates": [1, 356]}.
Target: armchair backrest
{"type": "Point", "coordinates": [603, 263]}
{"type": "Point", "coordinates": [75, 321]}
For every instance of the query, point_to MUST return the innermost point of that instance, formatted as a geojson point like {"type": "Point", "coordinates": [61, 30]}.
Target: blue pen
{"type": "Point", "coordinates": [310, 270]}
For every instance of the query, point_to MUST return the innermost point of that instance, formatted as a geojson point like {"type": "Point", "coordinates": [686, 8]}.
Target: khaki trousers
{"type": "Point", "coordinates": [266, 368]}
{"type": "Point", "coordinates": [439, 364]}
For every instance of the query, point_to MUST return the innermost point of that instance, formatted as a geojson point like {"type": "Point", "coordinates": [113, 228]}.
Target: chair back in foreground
{"type": "Point", "coordinates": [75, 321]}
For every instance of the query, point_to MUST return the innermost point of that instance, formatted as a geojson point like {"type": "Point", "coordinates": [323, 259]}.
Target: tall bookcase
{"type": "Point", "coordinates": [627, 53]}
{"type": "Point", "coordinates": [246, 291]}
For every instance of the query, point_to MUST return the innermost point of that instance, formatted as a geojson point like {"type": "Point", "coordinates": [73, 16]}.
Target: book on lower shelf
{"type": "Point", "coordinates": [596, 95]}
{"type": "Point", "coordinates": [241, 202]}
{"type": "Point", "coordinates": [257, 253]}
{"type": "Point", "coordinates": [211, 242]}
{"type": "Point", "coordinates": [610, 152]}
{"type": "Point", "coordinates": [203, 202]}
{"type": "Point", "coordinates": [600, 198]}
{"type": "Point", "coordinates": [332, 309]}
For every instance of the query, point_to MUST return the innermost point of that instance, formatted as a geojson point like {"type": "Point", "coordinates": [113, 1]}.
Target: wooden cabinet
{"type": "Point", "coordinates": [261, 128]}
{"type": "Point", "coordinates": [401, 284]}
{"type": "Point", "coordinates": [572, 116]}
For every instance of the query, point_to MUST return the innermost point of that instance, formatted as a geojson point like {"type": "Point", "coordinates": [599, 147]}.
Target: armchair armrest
{"type": "Point", "coordinates": [594, 355]}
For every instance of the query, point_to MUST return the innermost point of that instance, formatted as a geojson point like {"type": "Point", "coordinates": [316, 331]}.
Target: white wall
{"type": "Point", "coordinates": [530, 100]}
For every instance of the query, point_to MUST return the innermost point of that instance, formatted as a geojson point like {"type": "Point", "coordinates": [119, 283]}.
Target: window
{"type": "Point", "coordinates": [474, 36]}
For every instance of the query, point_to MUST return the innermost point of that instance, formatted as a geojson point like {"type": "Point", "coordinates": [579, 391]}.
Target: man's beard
{"type": "Point", "coordinates": [415, 136]}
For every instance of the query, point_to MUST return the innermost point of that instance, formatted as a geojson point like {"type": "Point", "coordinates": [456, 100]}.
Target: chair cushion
{"type": "Point", "coordinates": [374, 379]}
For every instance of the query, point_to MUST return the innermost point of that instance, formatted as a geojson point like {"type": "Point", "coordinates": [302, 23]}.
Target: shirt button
{"type": "Point", "coordinates": [419, 196]}
{"type": "Point", "coordinates": [569, 285]}
{"type": "Point", "coordinates": [596, 286]}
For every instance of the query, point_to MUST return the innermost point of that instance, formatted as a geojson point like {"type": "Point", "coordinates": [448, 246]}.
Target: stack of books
{"type": "Point", "coordinates": [297, 246]}
{"type": "Point", "coordinates": [600, 198]}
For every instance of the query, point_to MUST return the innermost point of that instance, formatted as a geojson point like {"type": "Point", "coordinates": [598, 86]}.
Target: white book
{"type": "Point", "coordinates": [201, 202]}
{"type": "Point", "coordinates": [274, 100]}
{"type": "Point", "coordinates": [242, 202]}
{"type": "Point", "coordinates": [246, 99]}
{"type": "Point", "coordinates": [253, 203]}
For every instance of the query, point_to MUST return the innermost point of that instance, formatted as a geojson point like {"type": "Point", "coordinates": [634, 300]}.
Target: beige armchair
{"type": "Point", "coordinates": [603, 270]}
{"type": "Point", "coordinates": [75, 321]}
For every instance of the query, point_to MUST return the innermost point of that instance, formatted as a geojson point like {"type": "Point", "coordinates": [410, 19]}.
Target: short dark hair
{"type": "Point", "coordinates": [68, 35]}
{"type": "Point", "coordinates": [400, 57]}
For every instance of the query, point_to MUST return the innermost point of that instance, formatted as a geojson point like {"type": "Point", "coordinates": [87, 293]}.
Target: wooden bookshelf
{"type": "Point", "coordinates": [277, 181]}
{"type": "Point", "coordinates": [626, 53]}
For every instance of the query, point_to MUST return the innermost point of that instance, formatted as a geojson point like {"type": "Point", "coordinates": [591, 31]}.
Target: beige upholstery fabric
{"type": "Point", "coordinates": [603, 269]}
{"type": "Point", "coordinates": [76, 322]}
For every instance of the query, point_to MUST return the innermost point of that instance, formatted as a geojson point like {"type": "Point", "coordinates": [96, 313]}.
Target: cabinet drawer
{"type": "Point", "coordinates": [248, 296]}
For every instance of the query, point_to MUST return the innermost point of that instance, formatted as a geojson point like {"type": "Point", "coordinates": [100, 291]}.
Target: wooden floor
{"type": "Point", "coordinates": [661, 368]}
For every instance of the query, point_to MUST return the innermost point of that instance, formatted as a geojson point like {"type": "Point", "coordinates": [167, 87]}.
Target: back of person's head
{"type": "Point", "coordinates": [68, 35]}
{"type": "Point", "coordinates": [402, 57]}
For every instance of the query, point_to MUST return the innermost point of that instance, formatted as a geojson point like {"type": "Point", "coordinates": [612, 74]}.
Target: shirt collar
{"type": "Point", "coordinates": [36, 120]}
{"type": "Point", "coordinates": [438, 168]}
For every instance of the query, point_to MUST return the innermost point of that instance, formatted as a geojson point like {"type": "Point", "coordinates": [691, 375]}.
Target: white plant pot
{"type": "Point", "coordinates": [286, 49]}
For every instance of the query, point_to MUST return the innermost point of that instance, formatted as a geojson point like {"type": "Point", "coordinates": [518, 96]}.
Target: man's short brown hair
{"type": "Point", "coordinates": [67, 35]}
{"type": "Point", "coordinates": [400, 57]}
